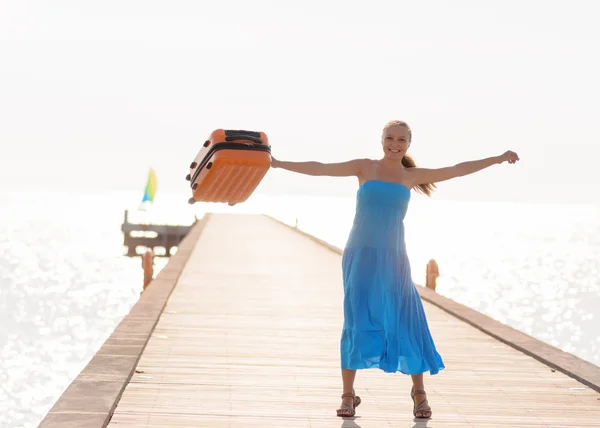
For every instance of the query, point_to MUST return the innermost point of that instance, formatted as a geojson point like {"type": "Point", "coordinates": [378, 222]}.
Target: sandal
{"type": "Point", "coordinates": [347, 411]}
{"type": "Point", "coordinates": [423, 406]}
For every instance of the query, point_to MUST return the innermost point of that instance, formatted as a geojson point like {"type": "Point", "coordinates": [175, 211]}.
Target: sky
{"type": "Point", "coordinates": [92, 94]}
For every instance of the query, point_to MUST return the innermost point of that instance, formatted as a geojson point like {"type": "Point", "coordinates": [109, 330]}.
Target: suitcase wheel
{"type": "Point", "coordinates": [195, 186]}
{"type": "Point", "coordinates": [191, 201]}
{"type": "Point", "coordinates": [206, 143]}
{"type": "Point", "coordinates": [188, 177]}
{"type": "Point", "coordinates": [209, 165]}
{"type": "Point", "coordinates": [193, 165]}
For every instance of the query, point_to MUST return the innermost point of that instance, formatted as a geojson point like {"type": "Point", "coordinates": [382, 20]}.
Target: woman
{"type": "Point", "coordinates": [384, 323]}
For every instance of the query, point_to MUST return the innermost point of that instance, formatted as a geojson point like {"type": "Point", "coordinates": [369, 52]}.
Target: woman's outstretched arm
{"type": "Point", "coordinates": [340, 169]}
{"type": "Point", "coordinates": [425, 175]}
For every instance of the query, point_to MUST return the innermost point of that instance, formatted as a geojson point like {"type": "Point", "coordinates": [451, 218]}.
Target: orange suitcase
{"type": "Point", "coordinates": [229, 166]}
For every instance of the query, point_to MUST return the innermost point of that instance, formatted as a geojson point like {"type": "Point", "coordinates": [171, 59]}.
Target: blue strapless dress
{"type": "Point", "coordinates": [384, 322]}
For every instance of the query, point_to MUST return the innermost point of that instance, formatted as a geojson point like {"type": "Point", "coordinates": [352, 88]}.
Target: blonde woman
{"type": "Point", "coordinates": [384, 322]}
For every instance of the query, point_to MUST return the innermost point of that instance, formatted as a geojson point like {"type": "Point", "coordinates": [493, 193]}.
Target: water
{"type": "Point", "coordinates": [65, 285]}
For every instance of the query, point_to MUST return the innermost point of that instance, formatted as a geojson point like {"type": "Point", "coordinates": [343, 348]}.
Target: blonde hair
{"type": "Point", "coordinates": [408, 161]}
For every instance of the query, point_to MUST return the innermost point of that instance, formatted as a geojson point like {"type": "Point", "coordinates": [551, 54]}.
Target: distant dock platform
{"type": "Point", "coordinates": [163, 239]}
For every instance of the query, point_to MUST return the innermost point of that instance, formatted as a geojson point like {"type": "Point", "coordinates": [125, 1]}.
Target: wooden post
{"type": "Point", "coordinates": [148, 266]}
{"type": "Point", "coordinates": [432, 273]}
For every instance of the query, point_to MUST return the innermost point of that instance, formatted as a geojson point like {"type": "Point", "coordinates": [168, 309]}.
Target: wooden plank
{"type": "Point", "coordinates": [250, 338]}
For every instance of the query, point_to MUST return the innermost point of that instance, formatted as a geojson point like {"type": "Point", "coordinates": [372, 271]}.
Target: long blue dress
{"type": "Point", "coordinates": [384, 322]}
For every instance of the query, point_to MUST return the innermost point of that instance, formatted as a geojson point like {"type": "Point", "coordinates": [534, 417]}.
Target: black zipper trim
{"type": "Point", "coordinates": [224, 146]}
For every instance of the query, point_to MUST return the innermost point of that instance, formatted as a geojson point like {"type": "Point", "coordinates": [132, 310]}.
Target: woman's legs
{"type": "Point", "coordinates": [348, 377]}
{"type": "Point", "coordinates": [419, 385]}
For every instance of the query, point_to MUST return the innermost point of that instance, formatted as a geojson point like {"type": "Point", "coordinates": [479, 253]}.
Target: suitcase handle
{"type": "Point", "coordinates": [243, 132]}
{"type": "Point", "coordinates": [231, 135]}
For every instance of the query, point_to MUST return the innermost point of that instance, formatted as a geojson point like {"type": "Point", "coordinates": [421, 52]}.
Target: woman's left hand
{"type": "Point", "coordinates": [510, 157]}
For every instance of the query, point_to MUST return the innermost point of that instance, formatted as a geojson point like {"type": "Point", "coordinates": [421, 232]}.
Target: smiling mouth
{"type": "Point", "coordinates": [394, 150]}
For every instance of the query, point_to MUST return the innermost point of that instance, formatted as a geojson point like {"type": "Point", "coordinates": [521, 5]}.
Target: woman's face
{"type": "Point", "coordinates": [395, 141]}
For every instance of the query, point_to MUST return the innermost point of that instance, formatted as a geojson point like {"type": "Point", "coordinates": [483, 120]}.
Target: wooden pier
{"type": "Point", "coordinates": [242, 329]}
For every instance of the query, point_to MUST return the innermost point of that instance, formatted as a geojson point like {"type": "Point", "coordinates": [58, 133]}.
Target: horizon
{"type": "Point", "coordinates": [135, 197]}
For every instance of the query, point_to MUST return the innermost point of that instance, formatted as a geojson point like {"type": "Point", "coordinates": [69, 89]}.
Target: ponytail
{"type": "Point", "coordinates": [408, 161]}
{"type": "Point", "coordinates": [426, 188]}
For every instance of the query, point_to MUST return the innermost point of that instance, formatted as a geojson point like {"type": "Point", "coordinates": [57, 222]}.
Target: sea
{"type": "Point", "coordinates": [65, 282]}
